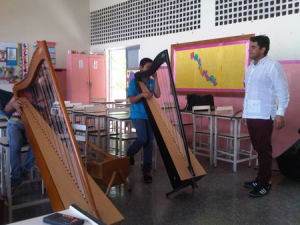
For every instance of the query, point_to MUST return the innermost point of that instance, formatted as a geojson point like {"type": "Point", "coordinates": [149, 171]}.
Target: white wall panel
{"type": "Point", "coordinates": [283, 31]}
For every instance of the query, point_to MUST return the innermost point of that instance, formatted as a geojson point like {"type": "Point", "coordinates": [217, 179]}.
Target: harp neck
{"type": "Point", "coordinates": [38, 58]}
{"type": "Point", "coordinates": [161, 58]}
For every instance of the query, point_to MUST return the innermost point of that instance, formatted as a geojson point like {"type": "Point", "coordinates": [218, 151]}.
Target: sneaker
{"type": "Point", "coordinates": [259, 191]}
{"type": "Point", "coordinates": [15, 184]}
{"type": "Point", "coordinates": [147, 176]}
{"type": "Point", "coordinates": [253, 184]}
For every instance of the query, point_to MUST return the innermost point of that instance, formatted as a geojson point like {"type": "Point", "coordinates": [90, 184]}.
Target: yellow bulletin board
{"type": "Point", "coordinates": [214, 66]}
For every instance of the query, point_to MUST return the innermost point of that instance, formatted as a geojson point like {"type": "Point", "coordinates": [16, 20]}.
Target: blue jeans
{"type": "Point", "coordinates": [16, 135]}
{"type": "Point", "coordinates": [145, 140]}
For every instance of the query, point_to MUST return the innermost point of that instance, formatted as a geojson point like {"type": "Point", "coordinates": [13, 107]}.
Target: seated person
{"type": "Point", "coordinates": [16, 136]}
{"type": "Point", "coordinates": [5, 97]}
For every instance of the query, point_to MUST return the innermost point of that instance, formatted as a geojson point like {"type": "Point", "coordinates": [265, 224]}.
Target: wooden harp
{"type": "Point", "coordinates": [182, 166]}
{"type": "Point", "coordinates": [54, 145]}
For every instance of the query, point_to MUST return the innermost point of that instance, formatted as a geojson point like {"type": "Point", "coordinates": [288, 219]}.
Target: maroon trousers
{"type": "Point", "coordinates": [260, 131]}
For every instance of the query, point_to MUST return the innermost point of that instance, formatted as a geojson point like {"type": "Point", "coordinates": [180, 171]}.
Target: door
{"type": "Point", "coordinates": [97, 67]}
{"type": "Point", "coordinates": [80, 79]}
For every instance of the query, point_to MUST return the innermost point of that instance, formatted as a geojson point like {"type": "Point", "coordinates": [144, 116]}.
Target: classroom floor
{"type": "Point", "coordinates": [219, 199]}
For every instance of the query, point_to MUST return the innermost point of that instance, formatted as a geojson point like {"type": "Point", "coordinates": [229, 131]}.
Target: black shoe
{"type": "Point", "coordinates": [147, 176]}
{"type": "Point", "coordinates": [259, 191]}
{"type": "Point", "coordinates": [131, 160]}
{"type": "Point", "coordinates": [253, 184]}
{"type": "Point", "coordinates": [131, 157]}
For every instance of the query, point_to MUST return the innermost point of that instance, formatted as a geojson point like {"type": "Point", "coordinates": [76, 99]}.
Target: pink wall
{"type": "Point", "coordinates": [282, 139]}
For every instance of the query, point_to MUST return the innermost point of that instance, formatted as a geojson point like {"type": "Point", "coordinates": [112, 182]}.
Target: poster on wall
{"type": "Point", "coordinates": [11, 56]}
{"type": "Point", "coordinates": [3, 56]}
{"type": "Point", "coordinates": [13, 62]}
{"type": "Point", "coordinates": [211, 66]}
{"type": "Point", "coordinates": [51, 48]}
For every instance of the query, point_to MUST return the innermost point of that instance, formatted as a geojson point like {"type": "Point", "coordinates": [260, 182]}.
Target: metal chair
{"type": "Point", "coordinates": [5, 178]}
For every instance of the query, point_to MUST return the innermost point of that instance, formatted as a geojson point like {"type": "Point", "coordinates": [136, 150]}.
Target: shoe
{"type": "Point", "coordinates": [259, 191]}
{"type": "Point", "coordinates": [131, 157]}
{"type": "Point", "coordinates": [131, 160]}
{"type": "Point", "coordinates": [15, 184]}
{"type": "Point", "coordinates": [147, 176]}
{"type": "Point", "coordinates": [253, 184]}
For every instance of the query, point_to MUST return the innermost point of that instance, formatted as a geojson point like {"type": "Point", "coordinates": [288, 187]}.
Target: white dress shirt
{"type": "Point", "coordinates": [267, 92]}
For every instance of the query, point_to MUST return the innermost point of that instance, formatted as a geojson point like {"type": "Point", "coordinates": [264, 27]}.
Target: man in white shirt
{"type": "Point", "coordinates": [266, 98]}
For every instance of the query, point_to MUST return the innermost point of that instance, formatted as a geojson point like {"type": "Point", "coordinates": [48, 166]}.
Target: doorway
{"type": "Point", "coordinates": [117, 74]}
{"type": "Point", "coordinates": [123, 63]}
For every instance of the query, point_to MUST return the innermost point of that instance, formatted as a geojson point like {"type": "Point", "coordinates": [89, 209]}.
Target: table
{"type": "Point", "coordinates": [107, 104]}
{"type": "Point", "coordinates": [39, 220]}
{"type": "Point", "coordinates": [189, 113]}
{"type": "Point", "coordinates": [122, 105]}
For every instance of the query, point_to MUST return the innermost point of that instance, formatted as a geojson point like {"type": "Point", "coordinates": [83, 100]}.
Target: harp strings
{"type": "Point", "coordinates": [168, 104]}
{"type": "Point", "coordinates": [43, 96]}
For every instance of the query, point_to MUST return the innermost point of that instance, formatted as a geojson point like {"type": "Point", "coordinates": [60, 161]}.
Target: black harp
{"type": "Point", "coordinates": [182, 166]}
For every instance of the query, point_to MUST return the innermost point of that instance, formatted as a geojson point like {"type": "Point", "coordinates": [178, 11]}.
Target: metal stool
{"type": "Point", "coordinates": [3, 125]}
{"type": "Point", "coordinates": [6, 180]}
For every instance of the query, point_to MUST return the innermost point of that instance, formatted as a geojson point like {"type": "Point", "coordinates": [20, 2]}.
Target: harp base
{"type": "Point", "coordinates": [191, 182]}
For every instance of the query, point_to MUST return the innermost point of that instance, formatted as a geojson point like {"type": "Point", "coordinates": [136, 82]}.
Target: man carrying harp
{"type": "Point", "coordinates": [182, 166]}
